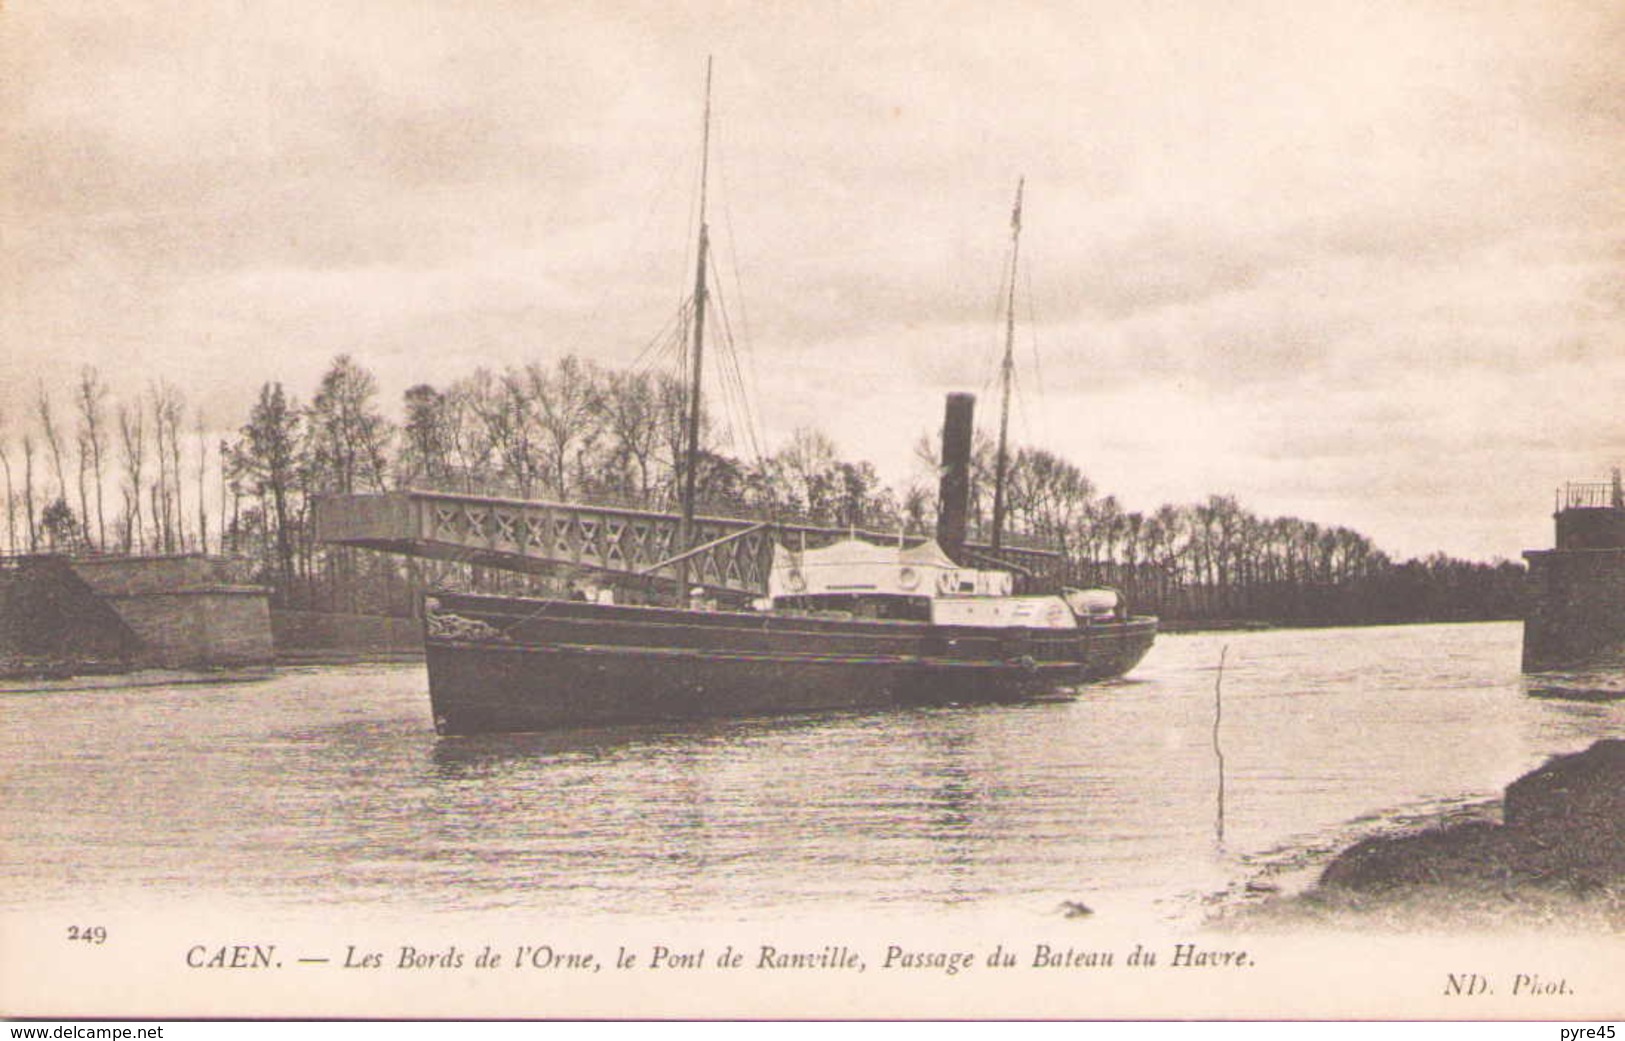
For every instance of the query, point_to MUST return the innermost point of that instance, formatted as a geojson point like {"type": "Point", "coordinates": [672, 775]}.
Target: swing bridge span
{"type": "Point", "coordinates": [610, 543]}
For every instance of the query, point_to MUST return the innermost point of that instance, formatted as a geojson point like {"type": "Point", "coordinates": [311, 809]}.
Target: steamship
{"type": "Point", "coordinates": [852, 625]}
{"type": "Point", "coordinates": [849, 626]}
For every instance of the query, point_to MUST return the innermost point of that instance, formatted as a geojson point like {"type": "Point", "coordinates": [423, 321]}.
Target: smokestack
{"type": "Point", "coordinates": [953, 495]}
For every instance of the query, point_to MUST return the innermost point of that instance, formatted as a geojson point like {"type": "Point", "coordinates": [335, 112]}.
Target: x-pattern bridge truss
{"type": "Point", "coordinates": [730, 555]}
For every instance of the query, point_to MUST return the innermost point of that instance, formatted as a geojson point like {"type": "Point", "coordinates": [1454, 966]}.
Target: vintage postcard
{"type": "Point", "coordinates": [812, 511]}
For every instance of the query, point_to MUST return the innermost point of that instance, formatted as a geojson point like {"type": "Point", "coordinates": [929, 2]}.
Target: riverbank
{"type": "Point", "coordinates": [1214, 625]}
{"type": "Point", "coordinates": [31, 677]}
{"type": "Point", "coordinates": [298, 638]}
{"type": "Point", "coordinates": [35, 683]}
{"type": "Point", "coordinates": [1555, 859]}
{"type": "Point", "coordinates": [1226, 625]}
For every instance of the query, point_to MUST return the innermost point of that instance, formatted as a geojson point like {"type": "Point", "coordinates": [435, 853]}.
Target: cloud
{"type": "Point", "coordinates": [1299, 252]}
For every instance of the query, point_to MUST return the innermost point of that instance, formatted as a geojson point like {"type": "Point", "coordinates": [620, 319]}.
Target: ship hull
{"type": "Point", "coordinates": [506, 664]}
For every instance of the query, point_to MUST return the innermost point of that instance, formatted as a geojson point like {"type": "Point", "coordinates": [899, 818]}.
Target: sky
{"type": "Point", "coordinates": [1360, 263]}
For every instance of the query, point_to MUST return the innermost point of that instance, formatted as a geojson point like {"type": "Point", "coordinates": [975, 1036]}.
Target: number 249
{"type": "Point", "coordinates": [88, 933]}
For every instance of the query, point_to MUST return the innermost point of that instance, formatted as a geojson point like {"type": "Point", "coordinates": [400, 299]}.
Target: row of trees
{"type": "Point", "coordinates": [57, 492]}
{"type": "Point", "coordinates": [578, 431]}
{"type": "Point", "coordinates": [574, 430]}
{"type": "Point", "coordinates": [1217, 560]}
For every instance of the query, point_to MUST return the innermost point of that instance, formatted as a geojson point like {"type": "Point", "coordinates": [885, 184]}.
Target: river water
{"type": "Point", "coordinates": [325, 789]}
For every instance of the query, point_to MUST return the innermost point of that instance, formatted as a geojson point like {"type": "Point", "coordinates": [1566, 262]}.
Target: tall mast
{"type": "Point", "coordinates": [1007, 371]}
{"type": "Point", "coordinates": [691, 439]}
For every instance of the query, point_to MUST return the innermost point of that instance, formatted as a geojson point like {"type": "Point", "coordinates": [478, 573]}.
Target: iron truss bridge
{"type": "Point", "coordinates": [729, 555]}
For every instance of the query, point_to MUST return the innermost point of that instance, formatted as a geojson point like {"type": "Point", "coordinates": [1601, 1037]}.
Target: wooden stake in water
{"type": "Point", "coordinates": [1218, 716]}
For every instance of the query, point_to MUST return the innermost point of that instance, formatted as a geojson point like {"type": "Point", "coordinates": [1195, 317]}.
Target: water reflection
{"type": "Point", "coordinates": [1580, 685]}
{"type": "Point", "coordinates": [1218, 749]}
{"type": "Point", "coordinates": [908, 796]}
{"type": "Point", "coordinates": [952, 794]}
{"type": "Point", "coordinates": [457, 757]}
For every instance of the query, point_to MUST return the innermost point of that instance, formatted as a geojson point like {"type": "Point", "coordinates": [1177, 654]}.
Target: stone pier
{"type": "Point", "coordinates": [1575, 615]}
{"type": "Point", "coordinates": [185, 609]}
{"type": "Point", "coordinates": [52, 622]}
{"type": "Point", "coordinates": [62, 614]}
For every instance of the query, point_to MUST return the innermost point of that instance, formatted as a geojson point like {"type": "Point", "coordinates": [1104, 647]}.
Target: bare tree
{"type": "Point", "coordinates": [807, 466]}
{"type": "Point", "coordinates": [175, 409]}
{"type": "Point", "coordinates": [11, 501]}
{"type": "Point", "coordinates": [133, 445]}
{"type": "Point", "coordinates": [224, 456]}
{"type": "Point", "coordinates": [1048, 495]}
{"type": "Point", "coordinates": [92, 402]}
{"type": "Point", "coordinates": [499, 444]}
{"type": "Point", "coordinates": [566, 411]}
{"type": "Point", "coordinates": [671, 419]}
{"type": "Point", "coordinates": [468, 439]}
{"type": "Point", "coordinates": [168, 411]}
{"type": "Point", "coordinates": [157, 505]}
{"type": "Point", "coordinates": [627, 410]}
{"type": "Point", "coordinates": [425, 449]}
{"type": "Point", "coordinates": [161, 537]}
{"type": "Point", "coordinates": [53, 439]}
{"type": "Point", "coordinates": [28, 491]}
{"type": "Point", "coordinates": [202, 478]}
{"type": "Point", "coordinates": [349, 437]}
{"type": "Point", "coordinates": [82, 443]}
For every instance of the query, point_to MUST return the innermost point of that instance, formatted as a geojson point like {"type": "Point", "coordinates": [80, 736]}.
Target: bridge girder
{"type": "Point", "coordinates": [540, 537]}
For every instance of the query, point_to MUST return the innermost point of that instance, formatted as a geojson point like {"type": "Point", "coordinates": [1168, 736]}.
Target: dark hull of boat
{"type": "Point", "coordinates": [504, 664]}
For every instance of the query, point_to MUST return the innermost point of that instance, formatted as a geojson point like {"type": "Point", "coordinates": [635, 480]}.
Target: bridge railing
{"type": "Point", "coordinates": [1592, 495]}
{"type": "Point", "coordinates": [726, 511]}
{"type": "Point", "coordinates": [538, 536]}
{"type": "Point", "coordinates": [731, 507]}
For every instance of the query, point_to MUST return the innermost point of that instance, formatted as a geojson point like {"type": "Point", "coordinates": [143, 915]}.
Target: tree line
{"type": "Point", "coordinates": [73, 460]}
{"type": "Point", "coordinates": [135, 477]}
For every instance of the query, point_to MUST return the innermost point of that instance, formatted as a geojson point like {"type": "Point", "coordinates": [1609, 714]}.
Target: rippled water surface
{"type": "Point", "coordinates": [327, 787]}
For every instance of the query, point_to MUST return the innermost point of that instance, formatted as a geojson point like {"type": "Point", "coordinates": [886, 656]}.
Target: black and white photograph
{"type": "Point", "coordinates": [530, 510]}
